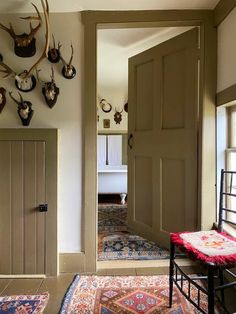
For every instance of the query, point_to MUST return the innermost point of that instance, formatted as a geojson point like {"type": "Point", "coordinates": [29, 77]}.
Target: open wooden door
{"type": "Point", "coordinates": [163, 125]}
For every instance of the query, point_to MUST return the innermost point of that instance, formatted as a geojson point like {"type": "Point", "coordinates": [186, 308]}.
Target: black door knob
{"type": "Point", "coordinates": [43, 208]}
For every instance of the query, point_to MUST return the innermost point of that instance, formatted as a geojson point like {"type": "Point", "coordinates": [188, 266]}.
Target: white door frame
{"type": "Point", "coordinates": [93, 20]}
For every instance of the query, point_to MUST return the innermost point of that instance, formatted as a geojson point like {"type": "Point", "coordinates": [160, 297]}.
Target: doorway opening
{"type": "Point", "coordinates": [94, 20]}
{"type": "Point", "coordinates": [116, 240]}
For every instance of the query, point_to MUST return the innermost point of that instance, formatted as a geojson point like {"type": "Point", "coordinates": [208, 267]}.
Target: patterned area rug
{"type": "Point", "coordinates": [23, 304]}
{"type": "Point", "coordinates": [126, 295]}
{"type": "Point", "coordinates": [115, 242]}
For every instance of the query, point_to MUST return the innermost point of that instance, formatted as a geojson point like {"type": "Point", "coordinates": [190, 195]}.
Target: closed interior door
{"type": "Point", "coordinates": [163, 123]}
{"type": "Point", "coordinates": [22, 190]}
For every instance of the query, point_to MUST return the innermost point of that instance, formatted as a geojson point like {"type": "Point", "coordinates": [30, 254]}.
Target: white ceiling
{"type": "Point", "coordinates": [19, 6]}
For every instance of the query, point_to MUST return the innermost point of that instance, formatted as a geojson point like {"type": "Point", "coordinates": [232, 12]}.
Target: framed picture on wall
{"type": "Point", "coordinates": [106, 123]}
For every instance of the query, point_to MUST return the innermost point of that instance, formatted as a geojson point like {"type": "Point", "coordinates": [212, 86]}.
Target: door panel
{"type": "Point", "coordinates": [16, 148]}
{"type": "Point", "coordinates": [144, 95]}
{"type": "Point", "coordinates": [40, 199]}
{"type": "Point", "coordinates": [163, 115]}
{"type": "Point", "coordinates": [142, 190]}
{"type": "Point", "coordinates": [22, 230]}
{"type": "Point", "coordinates": [173, 195]}
{"type": "Point", "coordinates": [29, 207]}
{"type": "Point", "coordinates": [173, 66]}
{"type": "Point", "coordinates": [5, 199]}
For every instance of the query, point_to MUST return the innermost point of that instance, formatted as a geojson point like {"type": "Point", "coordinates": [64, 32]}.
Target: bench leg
{"type": "Point", "coordinates": [222, 283]}
{"type": "Point", "coordinates": [171, 273]}
{"type": "Point", "coordinates": [211, 290]}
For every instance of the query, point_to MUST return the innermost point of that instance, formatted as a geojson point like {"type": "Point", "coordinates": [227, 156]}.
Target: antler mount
{"type": "Point", "coordinates": [24, 47]}
{"type": "Point", "coordinates": [24, 109]}
{"type": "Point", "coordinates": [25, 81]}
{"type": "Point", "coordinates": [25, 43]}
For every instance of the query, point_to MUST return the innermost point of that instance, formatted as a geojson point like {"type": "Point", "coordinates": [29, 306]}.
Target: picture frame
{"type": "Point", "coordinates": [106, 123]}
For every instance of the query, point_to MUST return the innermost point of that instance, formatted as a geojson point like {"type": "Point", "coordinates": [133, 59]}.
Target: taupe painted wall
{"type": "Point", "coordinates": [66, 116]}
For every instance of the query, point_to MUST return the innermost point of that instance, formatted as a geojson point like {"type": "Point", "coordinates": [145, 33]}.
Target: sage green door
{"type": "Point", "coordinates": [163, 128]}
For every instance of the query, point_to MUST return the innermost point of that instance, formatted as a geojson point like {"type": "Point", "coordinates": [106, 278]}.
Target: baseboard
{"type": "Point", "coordinates": [33, 276]}
{"type": "Point", "coordinates": [72, 262]}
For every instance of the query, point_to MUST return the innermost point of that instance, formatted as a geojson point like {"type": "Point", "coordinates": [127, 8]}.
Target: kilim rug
{"type": "Point", "coordinates": [23, 304]}
{"type": "Point", "coordinates": [126, 295]}
{"type": "Point", "coordinates": [115, 242]}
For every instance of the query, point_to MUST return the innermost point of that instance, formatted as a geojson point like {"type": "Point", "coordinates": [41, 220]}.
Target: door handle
{"type": "Point", "coordinates": [130, 141]}
{"type": "Point", "coordinates": [43, 208]}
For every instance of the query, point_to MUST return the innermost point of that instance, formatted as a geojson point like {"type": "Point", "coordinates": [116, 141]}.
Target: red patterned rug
{"type": "Point", "coordinates": [23, 304]}
{"type": "Point", "coordinates": [125, 295]}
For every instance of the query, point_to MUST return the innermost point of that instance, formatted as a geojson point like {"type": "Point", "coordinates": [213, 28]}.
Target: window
{"type": "Point", "coordinates": [231, 139]}
{"type": "Point", "coordinates": [231, 154]}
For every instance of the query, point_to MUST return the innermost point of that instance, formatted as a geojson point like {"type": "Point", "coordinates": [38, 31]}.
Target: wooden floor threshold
{"type": "Point", "coordinates": [118, 264]}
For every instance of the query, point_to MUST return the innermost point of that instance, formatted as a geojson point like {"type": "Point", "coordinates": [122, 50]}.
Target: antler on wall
{"type": "Point", "coordinates": [54, 55]}
{"type": "Point", "coordinates": [25, 81]}
{"type": "Point", "coordinates": [47, 39]}
{"type": "Point", "coordinates": [50, 91]}
{"type": "Point", "coordinates": [2, 98]}
{"type": "Point", "coordinates": [24, 109]}
{"type": "Point", "coordinates": [68, 70]}
{"type": "Point", "coordinates": [118, 116]}
{"type": "Point", "coordinates": [25, 43]}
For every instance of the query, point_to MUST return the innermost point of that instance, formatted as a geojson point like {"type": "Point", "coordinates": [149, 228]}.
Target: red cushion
{"type": "Point", "coordinates": [194, 253]}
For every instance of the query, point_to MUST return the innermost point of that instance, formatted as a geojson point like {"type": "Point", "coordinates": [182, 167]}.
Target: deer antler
{"type": "Point", "coordinates": [72, 54]}
{"type": "Point", "coordinates": [9, 30]}
{"type": "Point", "coordinates": [6, 70]}
{"type": "Point", "coordinates": [68, 70]}
{"type": "Point", "coordinates": [25, 40]}
{"type": "Point", "coordinates": [46, 47]}
{"type": "Point", "coordinates": [37, 74]}
{"type": "Point", "coordinates": [71, 58]}
{"type": "Point", "coordinates": [53, 52]}
{"type": "Point", "coordinates": [33, 31]}
{"type": "Point", "coordinates": [62, 59]}
{"type": "Point", "coordinates": [19, 103]}
{"type": "Point", "coordinates": [54, 43]}
{"type": "Point", "coordinates": [25, 81]}
{"type": "Point", "coordinates": [26, 73]}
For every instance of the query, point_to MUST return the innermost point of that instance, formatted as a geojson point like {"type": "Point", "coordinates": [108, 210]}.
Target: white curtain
{"type": "Point", "coordinates": [114, 150]}
{"type": "Point", "coordinates": [101, 151]}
